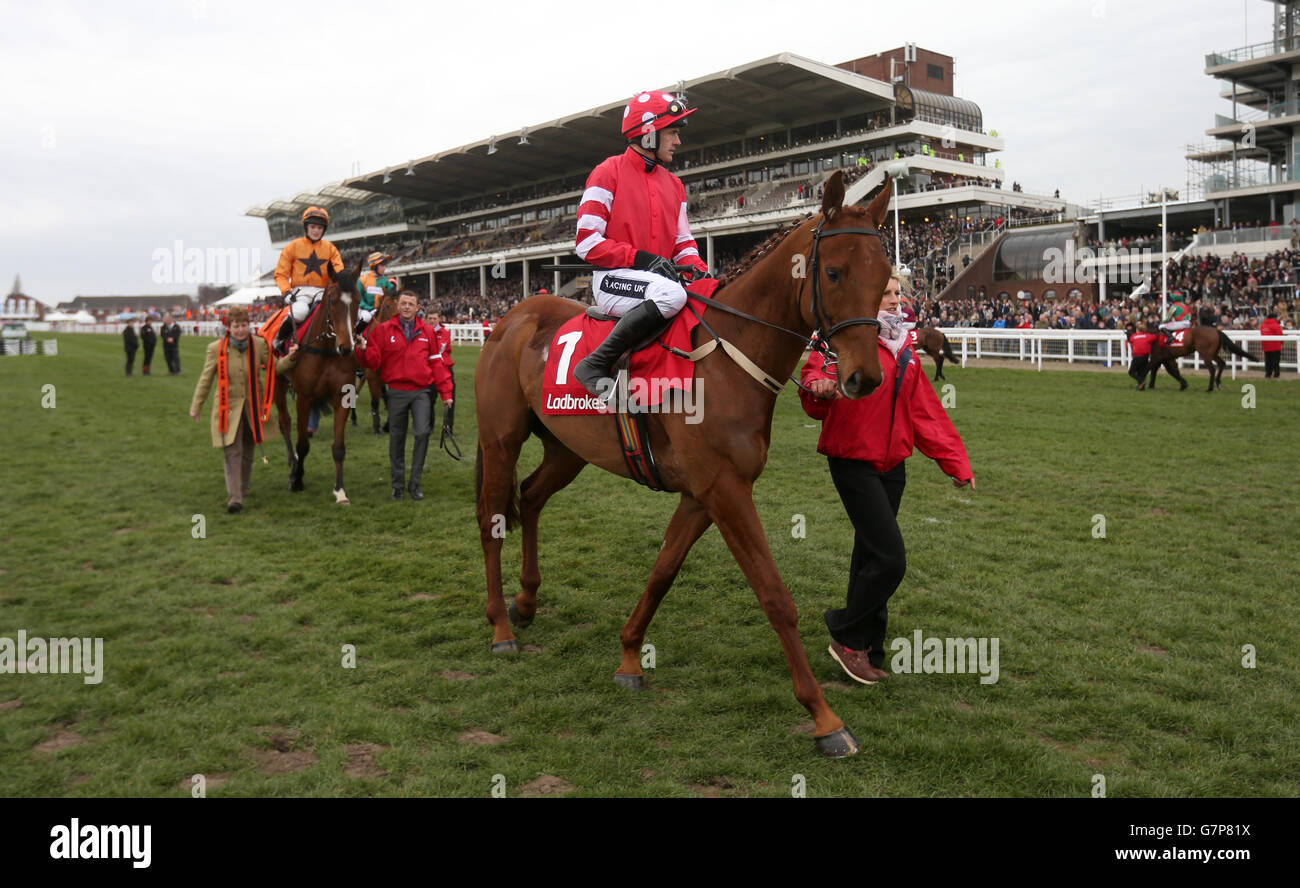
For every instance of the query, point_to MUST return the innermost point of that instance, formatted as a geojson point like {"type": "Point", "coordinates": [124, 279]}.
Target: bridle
{"type": "Point", "coordinates": [818, 341]}
{"type": "Point", "coordinates": [819, 314]}
{"type": "Point", "coordinates": [329, 332]}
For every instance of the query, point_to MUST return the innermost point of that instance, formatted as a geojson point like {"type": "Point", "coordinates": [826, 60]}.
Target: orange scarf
{"type": "Point", "coordinates": [223, 389]}
{"type": "Point", "coordinates": [268, 332]}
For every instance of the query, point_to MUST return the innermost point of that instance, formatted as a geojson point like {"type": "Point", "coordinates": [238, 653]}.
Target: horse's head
{"type": "Point", "coordinates": [341, 307]}
{"type": "Point", "coordinates": [849, 269]}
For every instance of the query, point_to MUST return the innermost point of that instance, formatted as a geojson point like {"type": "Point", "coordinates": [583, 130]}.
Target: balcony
{"type": "Point", "coordinates": [1252, 52]}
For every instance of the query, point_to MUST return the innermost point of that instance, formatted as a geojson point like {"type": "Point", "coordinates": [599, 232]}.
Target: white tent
{"type": "Point", "coordinates": [248, 295]}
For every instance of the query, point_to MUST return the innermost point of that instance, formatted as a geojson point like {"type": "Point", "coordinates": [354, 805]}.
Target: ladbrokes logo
{"type": "Point", "coordinates": [91, 842]}
{"type": "Point", "coordinates": [572, 402]}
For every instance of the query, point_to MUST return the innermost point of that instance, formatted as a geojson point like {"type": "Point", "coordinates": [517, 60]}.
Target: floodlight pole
{"type": "Point", "coordinates": [898, 256]}
{"type": "Point", "coordinates": [1164, 253]}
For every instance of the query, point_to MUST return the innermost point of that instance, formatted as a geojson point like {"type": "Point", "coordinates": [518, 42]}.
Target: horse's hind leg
{"type": "Point", "coordinates": [559, 466]}
{"type": "Point", "coordinates": [503, 427]}
{"type": "Point", "coordinates": [687, 524]}
{"type": "Point", "coordinates": [304, 444]}
{"type": "Point", "coordinates": [282, 419]}
{"type": "Point", "coordinates": [938, 367]}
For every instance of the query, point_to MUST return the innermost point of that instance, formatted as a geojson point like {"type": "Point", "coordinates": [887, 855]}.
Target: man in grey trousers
{"type": "Point", "coordinates": [406, 353]}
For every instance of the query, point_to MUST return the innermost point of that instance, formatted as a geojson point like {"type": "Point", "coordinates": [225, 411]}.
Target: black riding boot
{"type": "Point", "coordinates": [283, 335]}
{"type": "Point", "coordinates": [634, 327]}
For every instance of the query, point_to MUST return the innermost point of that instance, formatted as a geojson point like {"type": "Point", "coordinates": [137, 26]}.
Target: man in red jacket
{"type": "Point", "coordinates": [867, 441]}
{"type": "Point", "coordinates": [632, 226]}
{"type": "Point", "coordinates": [1140, 342]}
{"type": "Point", "coordinates": [405, 350]}
{"type": "Point", "coordinates": [1272, 350]}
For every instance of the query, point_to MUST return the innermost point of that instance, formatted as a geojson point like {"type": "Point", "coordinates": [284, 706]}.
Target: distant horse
{"type": "Point", "coordinates": [712, 463]}
{"type": "Point", "coordinates": [934, 343]}
{"type": "Point", "coordinates": [386, 308]}
{"type": "Point", "coordinates": [325, 365]}
{"type": "Point", "coordinates": [1206, 341]}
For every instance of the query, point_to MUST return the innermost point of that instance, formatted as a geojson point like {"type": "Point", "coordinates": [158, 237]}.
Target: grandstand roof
{"type": "Point", "coordinates": [779, 91]}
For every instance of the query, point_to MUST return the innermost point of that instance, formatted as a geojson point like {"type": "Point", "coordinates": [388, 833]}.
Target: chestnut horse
{"type": "Point", "coordinates": [935, 343]}
{"type": "Point", "coordinates": [383, 311]}
{"type": "Point", "coordinates": [325, 367]}
{"type": "Point", "coordinates": [713, 463]}
{"type": "Point", "coordinates": [1206, 341]}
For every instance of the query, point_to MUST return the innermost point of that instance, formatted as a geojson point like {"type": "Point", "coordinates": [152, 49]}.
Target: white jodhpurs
{"type": "Point", "coordinates": [619, 290]}
{"type": "Point", "coordinates": [300, 300]}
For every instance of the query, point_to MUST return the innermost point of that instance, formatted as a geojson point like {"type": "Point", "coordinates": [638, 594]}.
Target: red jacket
{"type": "Point", "coordinates": [880, 430]}
{"type": "Point", "coordinates": [1271, 327]}
{"type": "Point", "coordinates": [626, 209]}
{"type": "Point", "coordinates": [443, 336]}
{"type": "Point", "coordinates": [406, 366]}
{"type": "Point", "coordinates": [1140, 342]}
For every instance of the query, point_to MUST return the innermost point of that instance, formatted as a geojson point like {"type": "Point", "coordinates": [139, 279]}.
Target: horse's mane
{"type": "Point", "coordinates": [758, 252]}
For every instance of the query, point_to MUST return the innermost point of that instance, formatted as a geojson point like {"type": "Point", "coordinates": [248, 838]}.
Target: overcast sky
{"type": "Point", "coordinates": [130, 126]}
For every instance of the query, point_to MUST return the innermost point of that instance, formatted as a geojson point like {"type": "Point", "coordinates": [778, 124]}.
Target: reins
{"type": "Point", "coordinates": [818, 341]}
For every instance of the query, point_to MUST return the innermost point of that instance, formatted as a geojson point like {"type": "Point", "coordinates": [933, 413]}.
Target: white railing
{"type": "Point", "coordinates": [460, 333]}
{"type": "Point", "coordinates": [1243, 235]}
{"type": "Point", "coordinates": [1108, 347]}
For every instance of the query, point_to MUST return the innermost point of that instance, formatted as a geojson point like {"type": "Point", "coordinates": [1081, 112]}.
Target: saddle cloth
{"type": "Point", "coordinates": [652, 371]}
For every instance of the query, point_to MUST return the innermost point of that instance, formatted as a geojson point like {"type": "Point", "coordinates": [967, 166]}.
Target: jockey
{"type": "Point", "coordinates": [632, 226]}
{"type": "Point", "coordinates": [1180, 317]}
{"type": "Point", "coordinates": [372, 285]}
{"type": "Point", "coordinates": [305, 267]}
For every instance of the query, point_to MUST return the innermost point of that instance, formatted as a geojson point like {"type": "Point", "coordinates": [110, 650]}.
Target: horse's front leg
{"type": "Point", "coordinates": [730, 503]}
{"type": "Point", "coordinates": [340, 449]}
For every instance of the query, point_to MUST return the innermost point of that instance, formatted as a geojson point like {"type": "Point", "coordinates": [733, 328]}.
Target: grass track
{"type": "Point", "coordinates": [1119, 656]}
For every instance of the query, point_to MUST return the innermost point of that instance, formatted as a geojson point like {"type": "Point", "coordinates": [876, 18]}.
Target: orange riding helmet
{"type": "Point", "coordinates": [319, 215]}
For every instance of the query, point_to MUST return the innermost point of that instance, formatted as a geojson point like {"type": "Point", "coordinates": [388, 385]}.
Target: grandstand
{"type": "Point", "coordinates": [1239, 201]}
{"type": "Point", "coordinates": [470, 226]}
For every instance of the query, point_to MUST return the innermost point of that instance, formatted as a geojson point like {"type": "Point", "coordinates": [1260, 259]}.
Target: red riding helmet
{"type": "Point", "coordinates": [649, 112]}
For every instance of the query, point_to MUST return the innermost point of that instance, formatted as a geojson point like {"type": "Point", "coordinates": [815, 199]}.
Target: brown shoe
{"type": "Point", "coordinates": [856, 664]}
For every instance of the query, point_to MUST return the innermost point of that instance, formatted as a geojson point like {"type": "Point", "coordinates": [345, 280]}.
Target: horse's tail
{"type": "Point", "coordinates": [512, 506]}
{"type": "Point", "coordinates": [1225, 342]}
{"type": "Point", "coordinates": [947, 349]}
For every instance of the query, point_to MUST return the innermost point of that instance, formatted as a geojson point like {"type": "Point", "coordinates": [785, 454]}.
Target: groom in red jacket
{"type": "Point", "coordinates": [406, 352]}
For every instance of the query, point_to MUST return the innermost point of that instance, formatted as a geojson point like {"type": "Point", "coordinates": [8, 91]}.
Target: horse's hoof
{"type": "Point", "coordinates": [516, 620]}
{"type": "Point", "coordinates": [505, 647]}
{"type": "Point", "coordinates": [838, 744]}
{"type": "Point", "coordinates": [631, 682]}
{"type": "Point", "coordinates": [341, 498]}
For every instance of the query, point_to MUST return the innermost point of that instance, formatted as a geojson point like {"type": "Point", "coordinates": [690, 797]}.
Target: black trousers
{"type": "Point", "coordinates": [130, 360]}
{"type": "Point", "coordinates": [1273, 364]}
{"type": "Point", "coordinates": [1138, 368]}
{"type": "Point", "coordinates": [173, 355]}
{"type": "Point", "coordinates": [879, 560]}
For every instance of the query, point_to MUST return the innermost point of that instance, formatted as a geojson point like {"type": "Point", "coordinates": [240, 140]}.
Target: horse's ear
{"type": "Point", "coordinates": [878, 209]}
{"type": "Point", "coordinates": [833, 195]}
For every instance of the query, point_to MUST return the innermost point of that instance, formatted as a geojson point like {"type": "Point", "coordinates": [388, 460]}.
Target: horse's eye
{"type": "Point", "coordinates": [833, 275]}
